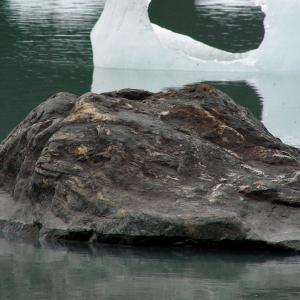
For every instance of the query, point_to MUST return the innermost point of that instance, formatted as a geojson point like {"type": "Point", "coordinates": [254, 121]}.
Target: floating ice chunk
{"type": "Point", "coordinates": [125, 38]}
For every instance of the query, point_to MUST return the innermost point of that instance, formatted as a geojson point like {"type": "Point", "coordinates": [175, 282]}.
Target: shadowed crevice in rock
{"type": "Point", "coordinates": [178, 167]}
{"type": "Point", "coordinates": [130, 94]}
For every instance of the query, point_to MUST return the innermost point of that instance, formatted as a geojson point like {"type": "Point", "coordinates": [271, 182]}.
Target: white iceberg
{"type": "Point", "coordinates": [125, 38]}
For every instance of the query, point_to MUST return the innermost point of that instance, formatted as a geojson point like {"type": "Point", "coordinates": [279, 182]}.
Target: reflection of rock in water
{"type": "Point", "coordinates": [72, 272]}
{"type": "Point", "coordinates": [234, 29]}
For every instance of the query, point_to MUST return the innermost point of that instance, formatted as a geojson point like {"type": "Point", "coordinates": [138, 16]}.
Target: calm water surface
{"type": "Point", "coordinates": [79, 273]}
{"type": "Point", "coordinates": [45, 48]}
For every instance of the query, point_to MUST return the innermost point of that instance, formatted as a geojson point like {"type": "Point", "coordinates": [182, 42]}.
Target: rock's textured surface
{"type": "Point", "coordinates": [184, 167]}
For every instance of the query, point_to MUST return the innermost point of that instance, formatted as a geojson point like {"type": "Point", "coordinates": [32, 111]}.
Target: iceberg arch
{"type": "Point", "coordinates": [124, 38]}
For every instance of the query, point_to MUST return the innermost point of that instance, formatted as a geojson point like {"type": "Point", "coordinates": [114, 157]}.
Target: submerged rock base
{"type": "Point", "coordinates": [180, 167]}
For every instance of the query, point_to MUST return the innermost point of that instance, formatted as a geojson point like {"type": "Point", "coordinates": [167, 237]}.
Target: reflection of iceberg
{"type": "Point", "coordinates": [124, 38]}
{"type": "Point", "coordinates": [280, 105]}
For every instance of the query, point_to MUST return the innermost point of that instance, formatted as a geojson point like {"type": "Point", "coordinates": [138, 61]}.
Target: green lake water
{"type": "Point", "coordinates": [45, 48]}
{"type": "Point", "coordinates": [56, 272]}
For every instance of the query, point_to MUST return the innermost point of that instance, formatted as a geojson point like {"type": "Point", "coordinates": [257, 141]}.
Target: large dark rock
{"type": "Point", "coordinates": [186, 167]}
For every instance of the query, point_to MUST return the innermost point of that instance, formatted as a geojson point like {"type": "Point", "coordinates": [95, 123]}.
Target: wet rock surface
{"type": "Point", "coordinates": [180, 167]}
